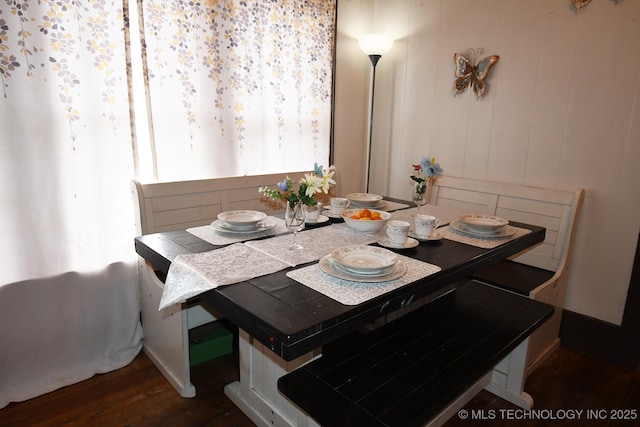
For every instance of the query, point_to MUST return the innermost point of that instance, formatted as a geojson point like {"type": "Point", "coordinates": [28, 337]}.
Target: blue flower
{"type": "Point", "coordinates": [283, 185]}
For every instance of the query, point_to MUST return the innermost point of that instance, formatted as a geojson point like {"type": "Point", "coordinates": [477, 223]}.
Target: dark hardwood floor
{"type": "Point", "coordinates": [137, 396]}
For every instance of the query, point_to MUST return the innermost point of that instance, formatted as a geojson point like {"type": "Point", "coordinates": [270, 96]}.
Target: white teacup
{"type": "Point", "coordinates": [312, 213]}
{"type": "Point", "coordinates": [338, 204]}
{"type": "Point", "coordinates": [397, 232]}
{"type": "Point", "coordinates": [425, 225]}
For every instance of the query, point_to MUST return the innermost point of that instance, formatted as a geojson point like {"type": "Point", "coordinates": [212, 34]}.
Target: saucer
{"type": "Point", "coordinates": [331, 215]}
{"type": "Point", "coordinates": [320, 220]}
{"type": "Point", "coordinates": [409, 243]}
{"type": "Point", "coordinates": [433, 238]}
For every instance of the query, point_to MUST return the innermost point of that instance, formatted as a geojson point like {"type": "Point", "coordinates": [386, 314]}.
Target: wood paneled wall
{"type": "Point", "coordinates": [562, 110]}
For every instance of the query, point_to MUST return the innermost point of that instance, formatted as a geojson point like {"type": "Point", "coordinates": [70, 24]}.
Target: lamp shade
{"type": "Point", "coordinates": [375, 44]}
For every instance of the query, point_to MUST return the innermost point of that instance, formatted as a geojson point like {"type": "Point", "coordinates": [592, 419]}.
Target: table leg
{"type": "Point", "coordinates": [257, 394]}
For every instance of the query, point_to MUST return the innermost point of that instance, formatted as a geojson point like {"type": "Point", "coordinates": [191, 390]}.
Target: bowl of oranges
{"type": "Point", "coordinates": [365, 220]}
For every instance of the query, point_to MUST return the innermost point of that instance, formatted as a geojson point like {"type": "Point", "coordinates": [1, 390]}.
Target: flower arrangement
{"type": "Point", "coordinates": [426, 172]}
{"type": "Point", "coordinates": [312, 184]}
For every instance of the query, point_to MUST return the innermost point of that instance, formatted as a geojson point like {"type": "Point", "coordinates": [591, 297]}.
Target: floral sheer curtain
{"type": "Point", "coordinates": [239, 87]}
{"type": "Point", "coordinates": [219, 102]}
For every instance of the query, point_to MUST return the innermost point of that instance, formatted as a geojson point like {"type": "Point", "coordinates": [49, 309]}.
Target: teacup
{"type": "Point", "coordinates": [312, 213]}
{"type": "Point", "coordinates": [425, 225]}
{"type": "Point", "coordinates": [338, 204]}
{"type": "Point", "coordinates": [397, 232]}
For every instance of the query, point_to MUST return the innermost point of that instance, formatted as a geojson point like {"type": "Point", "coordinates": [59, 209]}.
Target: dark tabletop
{"type": "Point", "coordinates": [292, 319]}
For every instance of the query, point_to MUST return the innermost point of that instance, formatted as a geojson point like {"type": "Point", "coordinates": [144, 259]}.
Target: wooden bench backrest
{"type": "Point", "coordinates": [169, 206]}
{"type": "Point", "coordinates": [556, 210]}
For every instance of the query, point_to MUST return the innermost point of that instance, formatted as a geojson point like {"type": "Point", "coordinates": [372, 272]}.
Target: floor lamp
{"type": "Point", "coordinates": [374, 45]}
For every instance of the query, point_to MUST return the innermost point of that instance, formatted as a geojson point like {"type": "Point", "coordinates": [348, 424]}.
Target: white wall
{"type": "Point", "coordinates": [562, 110]}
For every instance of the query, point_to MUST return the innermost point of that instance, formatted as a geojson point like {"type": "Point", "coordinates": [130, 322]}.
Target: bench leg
{"type": "Point", "coordinates": [509, 376]}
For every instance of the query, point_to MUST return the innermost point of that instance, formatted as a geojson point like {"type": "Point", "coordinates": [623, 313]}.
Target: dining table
{"type": "Point", "coordinates": [284, 320]}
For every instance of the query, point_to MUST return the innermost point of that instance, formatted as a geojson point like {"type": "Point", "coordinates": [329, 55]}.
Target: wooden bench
{"type": "Point", "coordinates": [419, 369]}
{"type": "Point", "coordinates": [170, 206]}
{"type": "Point", "coordinates": [540, 273]}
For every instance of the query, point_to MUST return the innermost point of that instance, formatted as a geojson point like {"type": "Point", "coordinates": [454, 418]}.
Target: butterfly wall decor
{"type": "Point", "coordinates": [469, 75]}
{"type": "Point", "coordinates": [579, 4]}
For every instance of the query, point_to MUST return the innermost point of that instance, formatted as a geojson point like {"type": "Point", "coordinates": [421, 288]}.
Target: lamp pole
{"type": "Point", "coordinates": [374, 45]}
{"type": "Point", "coordinates": [374, 62]}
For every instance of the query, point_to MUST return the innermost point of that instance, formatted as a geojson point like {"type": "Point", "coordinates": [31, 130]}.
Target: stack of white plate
{"type": "Point", "coordinates": [364, 200]}
{"type": "Point", "coordinates": [362, 263]}
{"type": "Point", "coordinates": [242, 221]}
{"type": "Point", "coordinates": [483, 225]}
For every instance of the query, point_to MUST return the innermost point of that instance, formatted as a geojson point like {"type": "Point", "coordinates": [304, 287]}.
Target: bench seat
{"type": "Point", "coordinates": [420, 368]}
{"type": "Point", "coordinates": [541, 273]}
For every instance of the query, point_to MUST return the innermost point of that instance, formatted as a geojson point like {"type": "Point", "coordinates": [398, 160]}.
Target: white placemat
{"type": "Point", "coordinates": [485, 243]}
{"type": "Point", "coordinates": [351, 293]}
{"type": "Point", "coordinates": [211, 235]}
{"type": "Point", "coordinates": [192, 274]}
{"type": "Point", "coordinates": [316, 242]}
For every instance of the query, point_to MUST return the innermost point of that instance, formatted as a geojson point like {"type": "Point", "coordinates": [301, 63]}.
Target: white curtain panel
{"type": "Point", "coordinates": [69, 305]}
{"type": "Point", "coordinates": [232, 88]}
{"type": "Point", "coordinates": [239, 87]}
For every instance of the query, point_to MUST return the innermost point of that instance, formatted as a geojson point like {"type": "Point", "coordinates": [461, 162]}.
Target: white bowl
{"type": "Point", "coordinates": [364, 199]}
{"type": "Point", "coordinates": [364, 225]}
{"type": "Point", "coordinates": [364, 259]}
{"type": "Point", "coordinates": [242, 218]}
{"type": "Point", "coordinates": [481, 222]}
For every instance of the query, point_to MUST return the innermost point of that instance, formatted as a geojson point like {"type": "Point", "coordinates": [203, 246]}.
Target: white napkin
{"type": "Point", "coordinates": [316, 242]}
{"type": "Point", "coordinates": [192, 274]}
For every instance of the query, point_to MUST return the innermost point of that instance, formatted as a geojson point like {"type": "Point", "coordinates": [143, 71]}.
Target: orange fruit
{"type": "Point", "coordinates": [365, 213]}
{"type": "Point", "coordinates": [375, 216]}
{"type": "Point", "coordinates": [365, 218]}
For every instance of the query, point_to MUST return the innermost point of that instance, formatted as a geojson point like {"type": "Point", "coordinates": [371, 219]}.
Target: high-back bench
{"type": "Point", "coordinates": [540, 273]}
{"type": "Point", "coordinates": [169, 206]}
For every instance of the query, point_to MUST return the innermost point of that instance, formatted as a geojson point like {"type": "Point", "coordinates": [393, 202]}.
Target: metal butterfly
{"type": "Point", "coordinates": [469, 75]}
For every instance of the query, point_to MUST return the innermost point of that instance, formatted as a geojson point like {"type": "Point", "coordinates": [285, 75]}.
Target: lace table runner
{"type": "Point", "coordinates": [317, 243]}
{"type": "Point", "coordinates": [209, 234]}
{"type": "Point", "coordinates": [481, 242]}
{"type": "Point", "coordinates": [351, 293]}
{"type": "Point", "coordinates": [192, 274]}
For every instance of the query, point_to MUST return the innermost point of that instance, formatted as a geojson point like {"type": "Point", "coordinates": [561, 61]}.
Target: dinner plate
{"type": "Point", "coordinates": [409, 243]}
{"type": "Point", "coordinates": [222, 227]}
{"type": "Point", "coordinates": [481, 222]}
{"type": "Point", "coordinates": [242, 218]}
{"type": "Point", "coordinates": [327, 265]}
{"type": "Point", "coordinates": [504, 232]}
{"type": "Point", "coordinates": [320, 220]}
{"type": "Point", "coordinates": [364, 259]}
{"type": "Point", "coordinates": [364, 199]}
{"type": "Point", "coordinates": [434, 237]}
{"type": "Point", "coordinates": [344, 270]}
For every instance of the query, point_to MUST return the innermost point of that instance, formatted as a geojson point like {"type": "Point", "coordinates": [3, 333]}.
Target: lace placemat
{"type": "Point", "coordinates": [192, 274]}
{"type": "Point", "coordinates": [351, 293]}
{"type": "Point", "coordinates": [211, 235]}
{"type": "Point", "coordinates": [481, 242]}
{"type": "Point", "coordinates": [317, 243]}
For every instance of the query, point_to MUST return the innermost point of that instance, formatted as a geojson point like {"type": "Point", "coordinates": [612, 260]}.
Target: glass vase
{"type": "Point", "coordinates": [294, 220]}
{"type": "Point", "coordinates": [420, 193]}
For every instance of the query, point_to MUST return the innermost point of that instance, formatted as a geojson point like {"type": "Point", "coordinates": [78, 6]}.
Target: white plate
{"type": "Point", "coordinates": [320, 220]}
{"type": "Point", "coordinates": [505, 232]}
{"type": "Point", "coordinates": [327, 265]}
{"type": "Point", "coordinates": [242, 218]}
{"type": "Point", "coordinates": [435, 236]}
{"type": "Point", "coordinates": [409, 243]}
{"type": "Point", "coordinates": [344, 270]}
{"type": "Point", "coordinates": [480, 222]}
{"type": "Point", "coordinates": [364, 199]}
{"type": "Point", "coordinates": [222, 227]}
{"type": "Point", "coordinates": [363, 259]}
{"type": "Point", "coordinates": [381, 205]}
